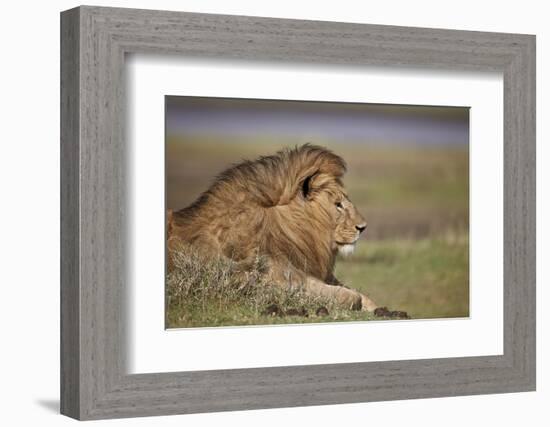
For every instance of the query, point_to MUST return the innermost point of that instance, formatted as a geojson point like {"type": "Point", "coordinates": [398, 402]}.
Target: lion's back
{"type": "Point", "coordinates": [227, 228]}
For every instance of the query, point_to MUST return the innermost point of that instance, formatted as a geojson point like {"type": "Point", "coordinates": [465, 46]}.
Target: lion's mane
{"type": "Point", "coordinates": [268, 207]}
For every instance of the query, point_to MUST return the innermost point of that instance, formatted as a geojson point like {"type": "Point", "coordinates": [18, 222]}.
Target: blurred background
{"type": "Point", "coordinates": [408, 174]}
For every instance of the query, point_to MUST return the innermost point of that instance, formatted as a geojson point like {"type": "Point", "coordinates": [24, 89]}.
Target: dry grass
{"type": "Point", "coordinates": [216, 292]}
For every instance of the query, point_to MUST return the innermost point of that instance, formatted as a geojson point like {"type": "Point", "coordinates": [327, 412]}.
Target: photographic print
{"type": "Point", "coordinates": [287, 212]}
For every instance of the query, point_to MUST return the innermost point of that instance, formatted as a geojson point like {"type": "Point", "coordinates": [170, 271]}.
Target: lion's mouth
{"type": "Point", "coordinates": [352, 242]}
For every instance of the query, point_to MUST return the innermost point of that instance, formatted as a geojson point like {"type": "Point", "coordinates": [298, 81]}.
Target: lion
{"type": "Point", "coordinates": [291, 208]}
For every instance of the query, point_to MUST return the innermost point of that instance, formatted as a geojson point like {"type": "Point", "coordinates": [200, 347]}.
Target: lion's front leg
{"type": "Point", "coordinates": [334, 291]}
{"type": "Point", "coordinates": [367, 304]}
{"type": "Point", "coordinates": [342, 296]}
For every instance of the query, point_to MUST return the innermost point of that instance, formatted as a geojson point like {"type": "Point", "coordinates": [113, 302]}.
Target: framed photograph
{"type": "Point", "coordinates": [261, 213]}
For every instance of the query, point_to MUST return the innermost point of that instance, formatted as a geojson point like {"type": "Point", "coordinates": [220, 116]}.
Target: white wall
{"type": "Point", "coordinates": [29, 177]}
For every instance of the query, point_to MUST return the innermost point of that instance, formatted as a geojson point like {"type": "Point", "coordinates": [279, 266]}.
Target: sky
{"type": "Point", "coordinates": [347, 122]}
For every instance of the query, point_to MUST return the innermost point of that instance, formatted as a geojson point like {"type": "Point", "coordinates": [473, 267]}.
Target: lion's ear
{"type": "Point", "coordinates": [307, 187]}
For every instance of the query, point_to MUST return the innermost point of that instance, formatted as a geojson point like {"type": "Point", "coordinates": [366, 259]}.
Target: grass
{"type": "Point", "coordinates": [415, 257]}
{"type": "Point", "coordinates": [428, 278]}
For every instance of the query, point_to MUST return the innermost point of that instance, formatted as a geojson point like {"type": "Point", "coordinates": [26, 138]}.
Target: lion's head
{"type": "Point", "coordinates": [291, 206]}
{"type": "Point", "coordinates": [326, 196]}
{"type": "Point", "coordinates": [349, 225]}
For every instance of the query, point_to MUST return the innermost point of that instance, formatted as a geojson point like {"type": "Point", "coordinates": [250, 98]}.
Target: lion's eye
{"type": "Point", "coordinates": [339, 205]}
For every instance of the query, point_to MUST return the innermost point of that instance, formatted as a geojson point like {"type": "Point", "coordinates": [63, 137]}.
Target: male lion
{"type": "Point", "coordinates": [290, 208]}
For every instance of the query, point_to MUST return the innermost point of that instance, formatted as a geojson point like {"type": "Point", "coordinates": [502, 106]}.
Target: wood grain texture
{"type": "Point", "coordinates": [95, 275]}
{"type": "Point", "coordinates": [70, 291]}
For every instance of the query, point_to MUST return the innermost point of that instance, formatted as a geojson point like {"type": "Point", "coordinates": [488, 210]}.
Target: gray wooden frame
{"type": "Point", "coordinates": [94, 41]}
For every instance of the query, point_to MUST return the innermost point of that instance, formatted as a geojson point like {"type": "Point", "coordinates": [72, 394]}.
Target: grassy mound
{"type": "Point", "coordinates": [204, 292]}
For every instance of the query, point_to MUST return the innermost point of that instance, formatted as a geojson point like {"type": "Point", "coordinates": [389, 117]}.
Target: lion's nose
{"type": "Point", "coordinates": [361, 227]}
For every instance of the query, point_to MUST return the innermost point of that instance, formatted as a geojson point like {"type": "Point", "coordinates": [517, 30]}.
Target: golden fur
{"type": "Point", "coordinates": [290, 208]}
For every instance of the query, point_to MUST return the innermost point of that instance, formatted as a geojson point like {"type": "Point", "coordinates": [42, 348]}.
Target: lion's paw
{"type": "Point", "coordinates": [384, 312]}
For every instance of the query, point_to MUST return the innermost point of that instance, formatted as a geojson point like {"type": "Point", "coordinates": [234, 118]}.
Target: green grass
{"type": "Point", "coordinates": [428, 278]}
{"type": "Point", "coordinates": [415, 257]}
